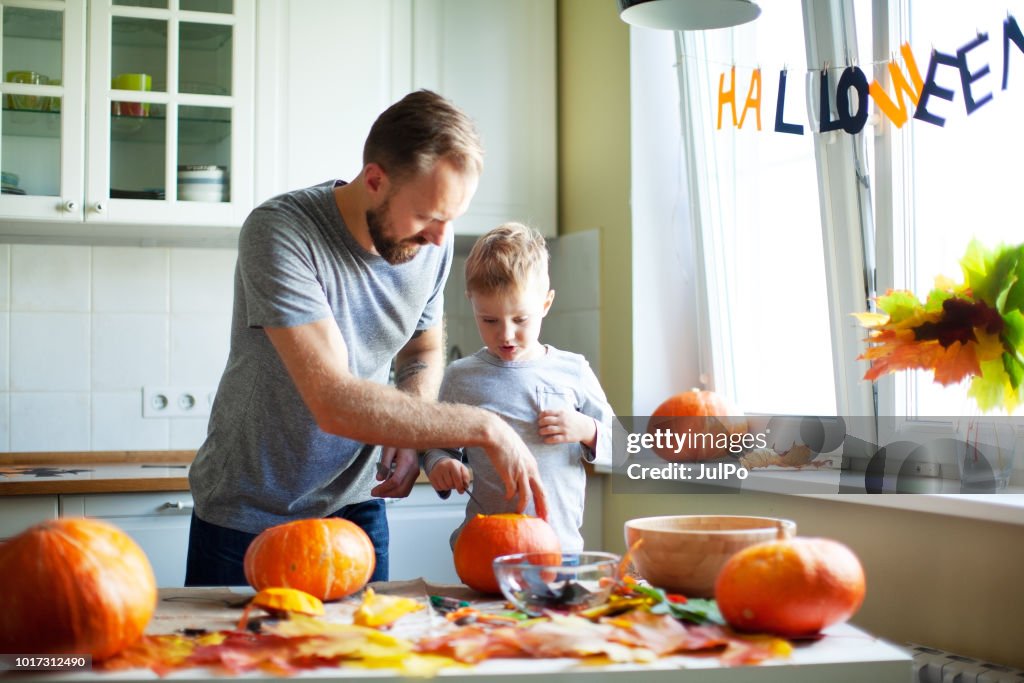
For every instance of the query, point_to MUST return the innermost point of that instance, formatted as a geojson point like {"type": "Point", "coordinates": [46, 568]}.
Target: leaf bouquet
{"type": "Point", "coordinates": [970, 329]}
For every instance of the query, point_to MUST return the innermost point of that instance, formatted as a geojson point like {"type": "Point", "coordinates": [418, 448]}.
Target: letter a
{"type": "Point", "coordinates": [753, 100]}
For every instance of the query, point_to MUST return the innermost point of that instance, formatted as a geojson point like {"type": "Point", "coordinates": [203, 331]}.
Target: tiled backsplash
{"type": "Point", "coordinates": [82, 329]}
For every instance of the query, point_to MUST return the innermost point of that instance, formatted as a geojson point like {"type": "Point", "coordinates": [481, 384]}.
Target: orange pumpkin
{"type": "Point", "coordinates": [74, 586]}
{"type": "Point", "coordinates": [486, 537]}
{"type": "Point", "coordinates": [792, 588]}
{"type": "Point", "coordinates": [708, 421]}
{"type": "Point", "coordinates": [328, 558]}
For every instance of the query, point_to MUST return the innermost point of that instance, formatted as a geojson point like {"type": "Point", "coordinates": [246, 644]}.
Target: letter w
{"type": "Point", "coordinates": [898, 113]}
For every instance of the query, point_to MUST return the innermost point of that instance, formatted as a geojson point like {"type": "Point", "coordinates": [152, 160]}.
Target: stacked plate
{"type": "Point", "coordinates": [10, 183]}
{"type": "Point", "coordinates": [202, 183]}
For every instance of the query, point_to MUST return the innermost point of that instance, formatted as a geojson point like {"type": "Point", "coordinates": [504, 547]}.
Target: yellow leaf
{"type": "Point", "coordinates": [383, 610]}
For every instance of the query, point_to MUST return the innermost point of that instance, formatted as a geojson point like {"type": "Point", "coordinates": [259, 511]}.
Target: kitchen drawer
{"type": "Point", "coordinates": [158, 522]}
{"type": "Point", "coordinates": [18, 513]}
{"type": "Point", "coordinates": [169, 504]}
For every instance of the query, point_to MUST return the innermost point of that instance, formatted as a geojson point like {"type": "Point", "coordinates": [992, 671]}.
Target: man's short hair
{"type": "Point", "coordinates": [411, 135]}
{"type": "Point", "coordinates": [505, 259]}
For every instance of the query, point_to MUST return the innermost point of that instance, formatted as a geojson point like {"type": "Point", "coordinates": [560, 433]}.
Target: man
{"type": "Point", "coordinates": [333, 283]}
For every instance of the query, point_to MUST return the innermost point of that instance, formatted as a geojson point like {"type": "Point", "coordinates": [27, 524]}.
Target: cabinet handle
{"type": "Point", "coordinates": [70, 206]}
{"type": "Point", "coordinates": [99, 207]}
{"type": "Point", "coordinates": [177, 505]}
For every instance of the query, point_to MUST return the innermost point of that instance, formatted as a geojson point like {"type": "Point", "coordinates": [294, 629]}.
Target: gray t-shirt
{"type": "Point", "coordinates": [265, 461]}
{"type": "Point", "coordinates": [518, 391]}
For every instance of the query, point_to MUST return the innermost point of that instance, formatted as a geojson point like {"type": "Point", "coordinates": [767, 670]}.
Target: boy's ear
{"type": "Point", "coordinates": [548, 300]}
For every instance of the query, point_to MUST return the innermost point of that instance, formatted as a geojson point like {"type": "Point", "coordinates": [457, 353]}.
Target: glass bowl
{"type": "Point", "coordinates": [534, 584]}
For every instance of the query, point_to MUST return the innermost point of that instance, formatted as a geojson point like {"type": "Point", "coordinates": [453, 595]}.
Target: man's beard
{"type": "Point", "coordinates": [395, 252]}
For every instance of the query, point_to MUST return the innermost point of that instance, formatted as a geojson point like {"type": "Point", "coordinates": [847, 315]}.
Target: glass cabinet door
{"type": "Point", "coordinates": [40, 144]}
{"type": "Point", "coordinates": [165, 113]}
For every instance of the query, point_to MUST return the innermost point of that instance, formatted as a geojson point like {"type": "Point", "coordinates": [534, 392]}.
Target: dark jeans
{"type": "Point", "coordinates": [215, 553]}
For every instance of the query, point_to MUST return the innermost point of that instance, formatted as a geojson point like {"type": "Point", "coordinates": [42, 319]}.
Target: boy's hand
{"type": "Point", "coordinates": [450, 474]}
{"type": "Point", "coordinates": [564, 425]}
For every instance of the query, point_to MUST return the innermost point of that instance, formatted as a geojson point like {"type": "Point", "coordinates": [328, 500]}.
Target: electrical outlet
{"type": "Point", "coordinates": [177, 401]}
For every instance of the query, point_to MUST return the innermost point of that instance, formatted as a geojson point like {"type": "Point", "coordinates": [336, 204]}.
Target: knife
{"type": "Point", "coordinates": [445, 494]}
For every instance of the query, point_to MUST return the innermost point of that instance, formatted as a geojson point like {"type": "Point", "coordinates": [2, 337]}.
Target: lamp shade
{"type": "Point", "coordinates": [688, 15]}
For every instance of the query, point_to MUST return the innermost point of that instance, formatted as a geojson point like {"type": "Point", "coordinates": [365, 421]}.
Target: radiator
{"type": "Point", "coordinates": [937, 666]}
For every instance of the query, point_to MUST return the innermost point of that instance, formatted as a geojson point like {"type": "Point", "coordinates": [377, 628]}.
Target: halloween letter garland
{"type": "Point", "coordinates": [906, 86]}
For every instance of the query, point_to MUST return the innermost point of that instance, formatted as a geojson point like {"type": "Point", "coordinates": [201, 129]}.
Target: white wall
{"type": "Point", "coordinates": [82, 329]}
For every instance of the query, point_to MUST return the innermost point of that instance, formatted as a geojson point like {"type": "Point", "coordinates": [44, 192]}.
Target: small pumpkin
{"type": "Point", "coordinates": [709, 422]}
{"type": "Point", "coordinates": [486, 537]}
{"type": "Point", "coordinates": [74, 585]}
{"type": "Point", "coordinates": [329, 558]}
{"type": "Point", "coordinates": [792, 588]}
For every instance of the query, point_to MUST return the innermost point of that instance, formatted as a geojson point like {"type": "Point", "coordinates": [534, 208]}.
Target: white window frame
{"type": "Point", "coordinates": [853, 263]}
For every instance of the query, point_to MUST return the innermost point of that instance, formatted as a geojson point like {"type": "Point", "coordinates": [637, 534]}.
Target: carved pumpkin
{"type": "Point", "coordinates": [486, 537]}
{"type": "Point", "coordinates": [74, 586]}
{"type": "Point", "coordinates": [328, 558]}
{"type": "Point", "coordinates": [792, 588]}
{"type": "Point", "coordinates": [708, 422]}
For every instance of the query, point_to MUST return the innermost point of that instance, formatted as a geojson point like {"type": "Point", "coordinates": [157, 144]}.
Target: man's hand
{"type": "Point", "coordinates": [518, 469]}
{"type": "Point", "coordinates": [450, 474]}
{"type": "Point", "coordinates": [564, 425]}
{"type": "Point", "coordinates": [403, 466]}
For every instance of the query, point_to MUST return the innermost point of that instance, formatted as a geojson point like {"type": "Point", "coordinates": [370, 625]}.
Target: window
{"type": "Point", "coordinates": [757, 208]}
{"type": "Point", "coordinates": [793, 233]}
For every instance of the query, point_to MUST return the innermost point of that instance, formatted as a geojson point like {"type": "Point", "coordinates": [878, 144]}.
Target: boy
{"type": "Point", "coordinates": [551, 398]}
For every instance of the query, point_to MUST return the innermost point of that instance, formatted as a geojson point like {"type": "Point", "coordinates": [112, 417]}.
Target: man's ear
{"type": "Point", "coordinates": [375, 179]}
{"type": "Point", "coordinates": [548, 300]}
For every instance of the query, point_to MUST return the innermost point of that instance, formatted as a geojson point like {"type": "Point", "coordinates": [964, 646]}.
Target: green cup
{"type": "Point", "coordinates": [27, 102]}
{"type": "Point", "coordinates": [131, 82]}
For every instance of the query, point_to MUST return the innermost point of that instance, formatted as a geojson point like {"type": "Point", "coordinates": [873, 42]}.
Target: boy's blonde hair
{"type": "Point", "coordinates": [505, 259]}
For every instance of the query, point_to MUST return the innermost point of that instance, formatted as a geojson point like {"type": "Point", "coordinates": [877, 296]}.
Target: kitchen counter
{"type": "Point", "coordinates": [844, 654]}
{"type": "Point", "coordinates": [26, 474]}
{"type": "Point", "coordinates": [94, 472]}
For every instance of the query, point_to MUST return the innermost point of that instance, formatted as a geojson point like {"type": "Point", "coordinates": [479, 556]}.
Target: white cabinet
{"type": "Point", "coordinates": [420, 526]}
{"type": "Point", "coordinates": [89, 149]}
{"type": "Point", "coordinates": [18, 513]}
{"type": "Point", "coordinates": [327, 68]}
{"type": "Point", "coordinates": [497, 60]}
{"type": "Point", "coordinates": [158, 522]}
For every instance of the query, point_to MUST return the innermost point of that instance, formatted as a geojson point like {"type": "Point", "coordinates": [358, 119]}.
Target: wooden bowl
{"type": "Point", "coordinates": [684, 553]}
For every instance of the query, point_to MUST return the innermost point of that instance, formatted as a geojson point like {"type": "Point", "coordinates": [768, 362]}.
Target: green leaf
{"type": "Point", "coordinates": [697, 611]}
{"type": "Point", "coordinates": [1015, 295]}
{"type": "Point", "coordinates": [987, 389]}
{"type": "Point", "coordinates": [990, 273]}
{"type": "Point", "coordinates": [935, 299]}
{"type": "Point", "coordinates": [1013, 330]}
{"type": "Point", "coordinates": [1014, 369]}
{"type": "Point", "coordinates": [899, 305]}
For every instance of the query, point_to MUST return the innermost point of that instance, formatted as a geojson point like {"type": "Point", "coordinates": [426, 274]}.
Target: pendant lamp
{"type": "Point", "coordinates": [688, 15]}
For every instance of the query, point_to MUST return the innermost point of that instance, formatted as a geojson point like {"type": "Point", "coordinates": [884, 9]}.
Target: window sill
{"type": "Point", "coordinates": [1006, 507]}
